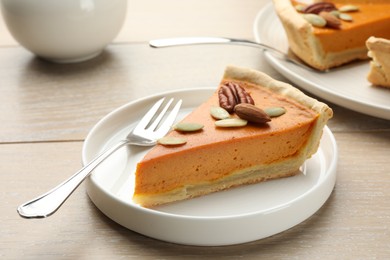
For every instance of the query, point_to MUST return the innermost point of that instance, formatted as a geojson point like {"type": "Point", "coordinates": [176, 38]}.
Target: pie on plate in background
{"type": "Point", "coordinates": [327, 34]}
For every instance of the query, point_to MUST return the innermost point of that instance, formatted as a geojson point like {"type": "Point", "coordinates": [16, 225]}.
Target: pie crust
{"type": "Point", "coordinates": [379, 51]}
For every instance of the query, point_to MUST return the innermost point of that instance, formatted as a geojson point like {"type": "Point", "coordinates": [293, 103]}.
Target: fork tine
{"type": "Point", "coordinates": [167, 124]}
{"type": "Point", "coordinates": [149, 115]}
{"type": "Point", "coordinates": [155, 123]}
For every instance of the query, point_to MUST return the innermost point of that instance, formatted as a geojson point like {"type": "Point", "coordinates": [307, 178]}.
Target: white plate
{"type": "Point", "coordinates": [230, 217]}
{"type": "Point", "coordinates": [346, 86]}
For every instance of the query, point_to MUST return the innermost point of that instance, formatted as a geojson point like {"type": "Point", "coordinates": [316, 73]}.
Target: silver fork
{"type": "Point", "coordinates": [146, 133]}
{"type": "Point", "coordinates": [168, 42]}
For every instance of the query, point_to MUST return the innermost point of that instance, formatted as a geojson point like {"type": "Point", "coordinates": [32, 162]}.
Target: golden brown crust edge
{"type": "Point", "coordinates": [299, 33]}
{"type": "Point", "coordinates": [379, 51]}
{"type": "Point", "coordinates": [305, 45]}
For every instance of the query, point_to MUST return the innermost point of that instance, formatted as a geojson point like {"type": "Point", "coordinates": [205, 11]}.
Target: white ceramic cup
{"type": "Point", "coordinates": [64, 30]}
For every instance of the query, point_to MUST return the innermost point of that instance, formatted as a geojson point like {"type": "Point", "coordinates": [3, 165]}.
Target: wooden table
{"type": "Point", "coordinates": [46, 111]}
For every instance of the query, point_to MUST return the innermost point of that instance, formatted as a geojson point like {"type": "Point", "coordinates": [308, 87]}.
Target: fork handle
{"type": "Point", "coordinates": [168, 42]}
{"type": "Point", "coordinates": [48, 203]}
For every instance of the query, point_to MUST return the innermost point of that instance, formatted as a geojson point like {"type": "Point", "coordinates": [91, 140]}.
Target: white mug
{"type": "Point", "coordinates": [64, 30]}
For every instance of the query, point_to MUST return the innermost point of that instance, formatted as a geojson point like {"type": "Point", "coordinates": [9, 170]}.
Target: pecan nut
{"type": "Point", "coordinates": [230, 94]}
{"type": "Point", "coordinates": [316, 8]}
{"type": "Point", "coordinates": [226, 98]}
{"type": "Point", "coordinates": [331, 20]}
{"type": "Point", "coordinates": [252, 113]}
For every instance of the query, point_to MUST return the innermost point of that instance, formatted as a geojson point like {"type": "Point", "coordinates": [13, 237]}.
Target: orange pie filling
{"type": "Point", "coordinates": [214, 155]}
{"type": "Point", "coordinates": [371, 20]}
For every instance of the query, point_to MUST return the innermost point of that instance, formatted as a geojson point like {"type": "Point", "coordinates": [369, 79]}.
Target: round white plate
{"type": "Point", "coordinates": [346, 86]}
{"type": "Point", "coordinates": [229, 217]}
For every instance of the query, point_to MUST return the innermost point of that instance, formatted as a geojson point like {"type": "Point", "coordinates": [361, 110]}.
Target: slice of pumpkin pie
{"type": "Point", "coordinates": [326, 34]}
{"type": "Point", "coordinates": [271, 130]}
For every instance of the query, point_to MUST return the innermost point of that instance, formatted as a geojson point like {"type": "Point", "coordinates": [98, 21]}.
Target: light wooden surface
{"type": "Point", "coordinates": [46, 111]}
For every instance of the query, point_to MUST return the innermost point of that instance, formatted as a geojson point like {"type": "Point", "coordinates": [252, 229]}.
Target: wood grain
{"type": "Point", "coordinates": [46, 111]}
{"type": "Point", "coordinates": [42, 101]}
{"type": "Point", "coordinates": [353, 223]}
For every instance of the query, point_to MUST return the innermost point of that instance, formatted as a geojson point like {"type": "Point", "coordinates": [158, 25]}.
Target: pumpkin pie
{"type": "Point", "coordinates": [339, 35]}
{"type": "Point", "coordinates": [216, 158]}
{"type": "Point", "coordinates": [379, 51]}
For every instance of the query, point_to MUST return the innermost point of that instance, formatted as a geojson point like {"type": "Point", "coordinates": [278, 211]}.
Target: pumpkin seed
{"type": "Point", "coordinates": [348, 8]}
{"type": "Point", "coordinates": [187, 127]}
{"type": "Point", "coordinates": [231, 122]}
{"type": "Point", "coordinates": [346, 17]}
{"type": "Point", "coordinates": [219, 112]}
{"type": "Point", "coordinates": [300, 8]}
{"type": "Point", "coordinates": [275, 111]}
{"type": "Point", "coordinates": [335, 13]}
{"type": "Point", "coordinates": [169, 140]}
{"type": "Point", "coordinates": [315, 20]}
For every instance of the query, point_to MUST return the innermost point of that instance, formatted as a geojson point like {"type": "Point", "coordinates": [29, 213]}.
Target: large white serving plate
{"type": "Point", "coordinates": [230, 217]}
{"type": "Point", "coordinates": [346, 86]}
